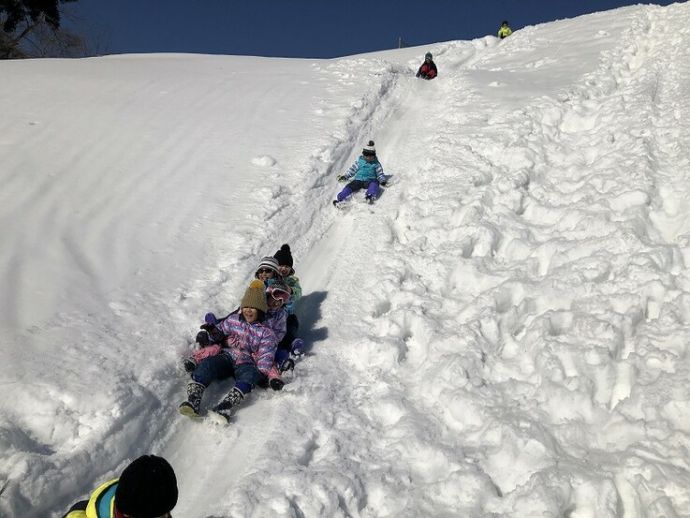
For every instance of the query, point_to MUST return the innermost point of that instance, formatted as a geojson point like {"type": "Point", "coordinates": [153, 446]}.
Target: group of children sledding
{"type": "Point", "coordinates": [258, 342]}
{"type": "Point", "coordinates": [254, 344]}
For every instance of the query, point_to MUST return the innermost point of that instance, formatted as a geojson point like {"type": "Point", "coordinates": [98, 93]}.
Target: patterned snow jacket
{"type": "Point", "coordinates": [277, 322]}
{"type": "Point", "coordinates": [365, 171]}
{"type": "Point", "coordinates": [99, 505]}
{"type": "Point", "coordinates": [247, 343]}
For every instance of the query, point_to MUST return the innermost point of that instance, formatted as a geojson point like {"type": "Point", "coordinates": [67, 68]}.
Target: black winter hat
{"type": "Point", "coordinates": [283, 256]}
{"type": "Point", "coordinates": [147, 488]}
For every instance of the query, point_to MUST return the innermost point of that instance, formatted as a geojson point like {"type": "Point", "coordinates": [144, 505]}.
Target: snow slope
{"type": "Point", "coordinates": [503, 334]}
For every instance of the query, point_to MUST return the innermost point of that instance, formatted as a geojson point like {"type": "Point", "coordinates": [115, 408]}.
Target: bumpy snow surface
{"type": "Point", "coordinates": [504, 333]}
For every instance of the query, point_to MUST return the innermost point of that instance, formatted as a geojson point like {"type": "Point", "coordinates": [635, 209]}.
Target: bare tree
{"type": "Point", "coordinates": [31, 28]}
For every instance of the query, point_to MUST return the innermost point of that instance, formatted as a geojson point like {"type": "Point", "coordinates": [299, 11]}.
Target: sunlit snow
{"type": "Point", "coordinates": [504, 333]}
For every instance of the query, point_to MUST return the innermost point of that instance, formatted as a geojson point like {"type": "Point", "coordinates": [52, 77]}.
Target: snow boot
{"type": "Point", "coordinates": [224, 408]}
{"type": "Point", "coordinates": [370, 199]}
{"type": "Point", "coordinates": [194, 393]}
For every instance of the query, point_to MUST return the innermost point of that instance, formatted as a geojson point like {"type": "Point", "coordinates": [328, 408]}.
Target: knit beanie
{"type": "Point", "coordinates": [270, 263]}
{"type": "Point", "coordinates": [369, 149]}
{"type": "Point", "coordinates": [283, 256]}
{"type": "Point", "coordinates": [147, 488]}
{"type": "Point", "coordinates": [254, 296]}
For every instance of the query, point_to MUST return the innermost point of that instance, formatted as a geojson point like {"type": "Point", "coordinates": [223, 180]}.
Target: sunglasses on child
{"type": "Point", "coordinates": [264, 270]}
{"type": "Point", "coordinates": [279, 294]}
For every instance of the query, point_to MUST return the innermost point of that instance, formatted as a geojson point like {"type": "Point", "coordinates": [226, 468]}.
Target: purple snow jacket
{"type": "Point", "coordinates": [249, 343]}
{"type": "Point", "coordinates": [277, 321]}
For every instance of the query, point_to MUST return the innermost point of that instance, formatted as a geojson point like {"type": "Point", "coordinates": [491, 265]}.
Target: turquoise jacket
{"type": "Point", "coordinates": [365, 171]}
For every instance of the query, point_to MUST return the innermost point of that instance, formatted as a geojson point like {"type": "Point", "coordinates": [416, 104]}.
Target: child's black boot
{"type": "Point", "coordinates": [225, 407]}
{"type": "Point", "coordinates": [191, 407]}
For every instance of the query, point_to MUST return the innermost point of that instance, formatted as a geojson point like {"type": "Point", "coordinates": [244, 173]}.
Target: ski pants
{"type": "Point", "coordinates": [355, 185]}
{"type": "Point", "coordinates": [221, 367]}
{"type": "Point", "coordinates": [285, 345]}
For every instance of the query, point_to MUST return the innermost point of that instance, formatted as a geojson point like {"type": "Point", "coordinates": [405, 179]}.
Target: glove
{"type": "Point", "coordinates": [383, 182]}
{"type": "Point", "coordinates": [216, 336]}
{"type": "Point", "coordinates": [203, 339]}
{"type": "Point", "coordinates": [342, 178]}
{"type": "Point", "coordinates": [276, 384]}
{"type": "Point", "coordinates": [189, 364]}
{"type": "Point", "coordinates": [210, 318]}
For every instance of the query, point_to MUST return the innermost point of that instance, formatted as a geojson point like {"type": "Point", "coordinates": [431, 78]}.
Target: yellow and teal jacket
{"type": "Point", "coordinates": [100, 505]}
{"type": "Point", "coordinates": [504, 31]}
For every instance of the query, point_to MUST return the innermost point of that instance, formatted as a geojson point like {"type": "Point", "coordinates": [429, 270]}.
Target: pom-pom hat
{"type": "Point", "coordinates": [254, 296]}
{"type": "Point", "coordinates": [147, 488]}
{"type": "Point", "coordinates": [284, 256]}
{"type": "Point", "coordinates": [369, 149]}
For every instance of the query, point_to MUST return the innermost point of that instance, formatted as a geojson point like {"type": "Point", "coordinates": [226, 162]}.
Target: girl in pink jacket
{"type": "Point", "coordinates": [249, 353]}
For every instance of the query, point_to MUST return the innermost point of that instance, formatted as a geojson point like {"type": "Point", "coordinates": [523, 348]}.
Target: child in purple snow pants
{"type": "Point", "coordinates": [355, 185]}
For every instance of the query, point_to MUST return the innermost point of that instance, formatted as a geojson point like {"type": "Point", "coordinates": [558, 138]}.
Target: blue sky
{"type": "Point", "coordinates": [304, 28]}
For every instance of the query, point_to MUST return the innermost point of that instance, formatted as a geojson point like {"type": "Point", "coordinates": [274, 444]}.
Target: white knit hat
{"type": "Point", "coordinates": [369, 149]}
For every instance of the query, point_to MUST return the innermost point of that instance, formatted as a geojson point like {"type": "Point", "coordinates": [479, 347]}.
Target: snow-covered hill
{"type": "Point", "coordinates": [505, 333]}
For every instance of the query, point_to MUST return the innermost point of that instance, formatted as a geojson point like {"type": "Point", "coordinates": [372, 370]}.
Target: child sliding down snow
{"type": "Point", "coordinates": [248, 356]}
{"type": "Point", "coordinates": [367, 172]}
{"type": "Point", "coordinates": [290, 343]}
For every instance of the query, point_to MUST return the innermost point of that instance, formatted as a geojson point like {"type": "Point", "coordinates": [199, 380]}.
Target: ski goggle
{"type": "Point", "coordinates": [279, 294]}
{"type": "Point", "coordinates": [265, 270]}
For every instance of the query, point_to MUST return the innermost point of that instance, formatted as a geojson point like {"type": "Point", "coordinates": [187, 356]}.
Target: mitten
{"type": "Point", "coordinates": [203, 339]}
{"type": "Point", "coordinates": [189, 364]}
{"type": "Point", "coordinates": [216, 335]}
{"type": "Point", "coordinates": [342, 178]}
